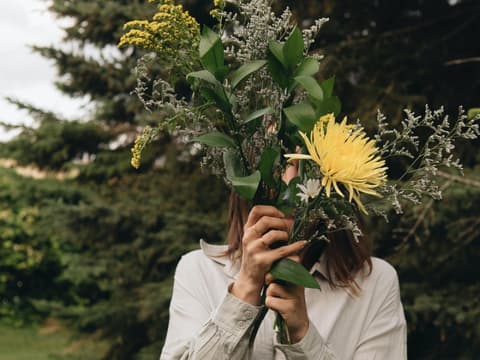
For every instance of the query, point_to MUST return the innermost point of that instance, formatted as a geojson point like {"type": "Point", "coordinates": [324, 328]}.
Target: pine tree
{"type": "Point", "coordinates": [390, 55]}
{"type": "Point", "coordinates": [121, 235]}
{"type": "Point", "coordinates": [123, 232]}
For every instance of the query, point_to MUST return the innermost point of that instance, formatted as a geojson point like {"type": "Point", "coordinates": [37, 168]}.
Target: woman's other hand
{"type": "Point", "coordinates": [289, 301]}
{"type": "Point", "coordinates": [265, 226]}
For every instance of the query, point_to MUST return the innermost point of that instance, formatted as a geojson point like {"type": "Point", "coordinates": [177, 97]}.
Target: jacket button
{"type": "Point", "coordinates": [248, 314]}
{"type": "Point", "coordinates": [242, 324]}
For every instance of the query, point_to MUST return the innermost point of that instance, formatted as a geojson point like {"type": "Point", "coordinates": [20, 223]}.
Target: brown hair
{"type": "Point", "coordinates": [344, 256]}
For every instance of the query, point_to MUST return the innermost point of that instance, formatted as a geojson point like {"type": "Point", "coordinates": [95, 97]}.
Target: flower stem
{"type": "Point", "coordinates": [260, 317]}
{"type": "Point", "coordinates": [280, 327]}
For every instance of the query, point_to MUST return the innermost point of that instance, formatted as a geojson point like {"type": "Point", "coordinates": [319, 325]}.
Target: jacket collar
{"type": "Point", "coordinates": [217, 253]}
{"type": "Point", "coordinates": [231, 268]}
{"type": "Point", "coordinates": [320, 267]}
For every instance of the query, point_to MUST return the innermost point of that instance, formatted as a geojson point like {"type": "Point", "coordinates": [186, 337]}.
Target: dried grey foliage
{"type": "Point", "coordinates": [426, 157]}
{"type": "Point", "coordinates": [246, 33]}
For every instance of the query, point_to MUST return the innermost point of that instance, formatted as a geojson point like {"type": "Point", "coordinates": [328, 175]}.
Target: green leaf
{"type": "Point", "coordinates": [301, 115]}
{"type": "Point", "coordinates": [327, 86]}
{"type": "Point", "coordinates": [208, 40]}
{"type": "Point", "coordinates": [211, 50]}
{"type": "Point", "coordinates": [233, 164]}
{"type": "Point", "coordinates": [289, 191]}
{"type": "Point", "coordinates": [208, 95]}
{"type": "Point", "coordinates": [311, 85]}
{"type": "Point", "coordinates": [308, 67]}
{"type": "Point", "coordinates": [258, 113]}
{"type": "Point", "coordinates": [246, 186]}
{"type": "Point", "coordinates": [246, 69]}
{"type": "Point", "coordinates": [204, 75]}
{"type": "Point", "coordinates": [215, 139]}
{"type": "Point", "coordinates": [327, 106]}
{"type": "Point", "coordinates": [232, 100]}
{"type": "Point", "coordinates": [276, 49]}
{"type": "Point", "coordinates": [277, 70]}
{"type": "Point", "coordinates": [221, 73]}
{"type": "Point", "coordinates": [267, 161]}
{"type": "Point", "coordinates": [293, 272]}
{"type": "Point", "coordinates": [293, 48]}
{"type": "Point", "coordinates": [287, 200]}
{"type": "Point", "coordinates": [217, 96]}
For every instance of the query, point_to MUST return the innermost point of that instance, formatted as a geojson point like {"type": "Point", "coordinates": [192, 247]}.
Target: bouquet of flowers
{"type": "Point", "coordinates": [254, 104]}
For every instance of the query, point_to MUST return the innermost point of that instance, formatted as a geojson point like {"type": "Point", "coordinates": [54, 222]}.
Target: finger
{"type": "Point", "coordinates": [285, 251]}
{"type": "Point", "coordinates": [262, 210]}
{"type": "Point", "coordinates": [277, 290]}
{"type": "Point", "coordinates": [295, 258]}
{"type": "Point", "coordinates": [266, 257]}
{"type": "Point", "coordinates": [250, 234]}
{"type": "Point", "coordinates": [273, 236]}
{"type": "Point", "coordinates": [266, 242]}
{"type": "Point", "coordinates": [289, 222]}
{"type": "Point", "coordinates": [262, 226]}
{"type": "Point", "coordinates": [269, 278]}
{"type": "Point", "coordinates": [277, 304]}
{"type": "Point", "coordinates": [266, 223]}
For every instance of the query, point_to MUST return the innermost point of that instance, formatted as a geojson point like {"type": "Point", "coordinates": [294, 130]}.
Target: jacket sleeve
{"type": "Point", "coordinates": [385, 338]}
{"type": "Point", "coordinates": [196, 333]}
{"type": "Point", "coordinates": [311, 347]}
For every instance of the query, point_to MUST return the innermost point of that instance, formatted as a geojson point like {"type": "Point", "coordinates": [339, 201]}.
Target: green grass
{"type": "Point", "coordinates": [51, 341]}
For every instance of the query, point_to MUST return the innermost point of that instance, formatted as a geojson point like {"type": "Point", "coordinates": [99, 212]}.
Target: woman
{"type": "Point", "coordinates": [357, 314]}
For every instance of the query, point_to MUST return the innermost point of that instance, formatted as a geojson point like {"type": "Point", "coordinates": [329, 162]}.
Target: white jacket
{"type": "Point", "coordinates": [207, 322]}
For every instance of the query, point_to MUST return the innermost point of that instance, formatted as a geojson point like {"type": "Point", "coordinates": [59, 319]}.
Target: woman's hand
{"type": "Point", "coordinates": [265, 226]}
{"type": "Point", "coordinates": [289, 301]}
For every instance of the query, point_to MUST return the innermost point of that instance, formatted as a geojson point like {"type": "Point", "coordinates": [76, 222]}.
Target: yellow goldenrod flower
{"type": "Point", "coordinates": [216, 12]}
{"type": "Point", "coordinates": [171, 32]}
{"type": "Point", "coordinates": [137, 152]}
{"type": "Point", "coordinates": [344, 156]}
{"type": "Point", "coordinates": [148, 134]}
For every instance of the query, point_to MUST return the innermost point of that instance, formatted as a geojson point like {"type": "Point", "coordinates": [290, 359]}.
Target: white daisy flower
{"type": "Point", "coordinates": [309, 189]}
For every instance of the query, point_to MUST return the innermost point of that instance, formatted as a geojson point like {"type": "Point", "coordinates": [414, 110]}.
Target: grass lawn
{"type": "Point", "coordinates": [49, 341]}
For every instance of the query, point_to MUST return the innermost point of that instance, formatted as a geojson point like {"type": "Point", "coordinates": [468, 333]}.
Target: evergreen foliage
{"type": "Point", "coordinates": [116, 243]}
{"type": "Point", "coordinates": [30, 260]}
{"type": "Point", "coordinates": [55, 142]}
{"type": "Point", "coordinates": [122, 242]}
{"type": "Point", "coordinates": [100, 250]}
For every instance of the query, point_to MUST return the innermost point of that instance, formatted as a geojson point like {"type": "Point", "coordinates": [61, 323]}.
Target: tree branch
{"type": "Point", "coordinates": [460, 179]}
{"type": "Point", "coordinates": [462, 61]}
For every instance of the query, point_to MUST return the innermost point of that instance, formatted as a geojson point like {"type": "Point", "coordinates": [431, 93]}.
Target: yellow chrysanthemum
{"type": "Point", "coordinates": [346, 157]}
